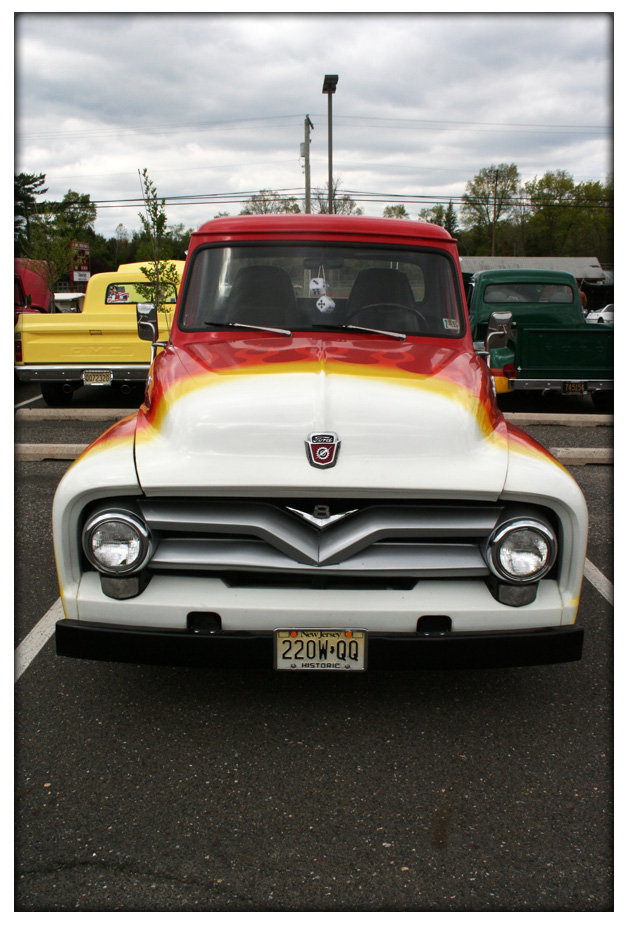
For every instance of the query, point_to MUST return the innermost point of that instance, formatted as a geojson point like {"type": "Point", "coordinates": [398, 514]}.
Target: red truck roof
{"type": "Point", "coordinates": [335, 225]}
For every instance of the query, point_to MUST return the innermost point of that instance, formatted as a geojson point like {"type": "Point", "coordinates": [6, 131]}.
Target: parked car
{"type": "Point", "coordinates": [603, 316]}
{"type": "Point", "coordinates": [96, 346]}
{"type": "Point", "coordinates": [319, 477]}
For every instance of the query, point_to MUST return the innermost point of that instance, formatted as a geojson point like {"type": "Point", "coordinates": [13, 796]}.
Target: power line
{"type": "Point", "coordinates": [372, 122]}
{"type": "Point", "coordinates": [165, 129]}
{"type": "Point", "coordinates": [457, 122]}
{"type": "Point", "coordinates": [358, 196]}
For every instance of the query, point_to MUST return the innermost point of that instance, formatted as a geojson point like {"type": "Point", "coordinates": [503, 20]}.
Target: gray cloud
{"type": "Point", "coordinates": [216, 103]}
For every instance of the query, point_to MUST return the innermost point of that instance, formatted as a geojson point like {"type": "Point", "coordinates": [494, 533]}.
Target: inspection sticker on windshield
{"type": "Point", "coordinates": [451, 324]}
{"type": "Point", "coordinates": [326, 650]}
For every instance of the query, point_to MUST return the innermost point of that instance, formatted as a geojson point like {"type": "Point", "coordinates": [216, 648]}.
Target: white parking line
{"type": "Point", "coordinates": [603, 585]}
{"type": "Point", "coordinates": [37, 638]}
{"type": "Point", "coordinates": [28, 401]}
{"type": "Point", "coordinates": [41, 633]}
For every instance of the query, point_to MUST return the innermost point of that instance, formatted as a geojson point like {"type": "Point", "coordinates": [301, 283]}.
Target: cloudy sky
{"type": "Point", "coordinates": [213, 105]}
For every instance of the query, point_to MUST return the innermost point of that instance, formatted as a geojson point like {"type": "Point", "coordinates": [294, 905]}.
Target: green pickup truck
{"type": "Point", "coordinates": [550, 346]}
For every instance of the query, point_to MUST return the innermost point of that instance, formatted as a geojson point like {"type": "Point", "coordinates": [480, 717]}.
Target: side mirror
{"type": "Point", "coordinates": [28, 301]}
{"type": "Point", "coordinates": [499, 330]}
{"type": "Point", "coordinates": [147, 322]}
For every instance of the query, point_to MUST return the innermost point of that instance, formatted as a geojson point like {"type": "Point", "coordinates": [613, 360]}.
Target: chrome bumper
{"type": "Point", "coordinates": [136, 372]}
{"type": "Point", "coordinates": [590, 385]}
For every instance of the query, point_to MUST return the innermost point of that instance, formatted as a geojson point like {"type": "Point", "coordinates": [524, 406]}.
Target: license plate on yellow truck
{"type": "Point", "coordinates": [97, 377]}
{"type": "Point", "coordinates": [320, 649]}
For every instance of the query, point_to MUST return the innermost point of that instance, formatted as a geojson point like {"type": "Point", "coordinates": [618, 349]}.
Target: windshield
{"type": "Point", "coordinates": [307, 287]}
{"type": "Point", "coordinates": [529, 292]}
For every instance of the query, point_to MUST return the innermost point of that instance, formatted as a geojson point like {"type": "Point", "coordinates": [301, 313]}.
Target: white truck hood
{"type": "Point", "coordinates": [233, 417]}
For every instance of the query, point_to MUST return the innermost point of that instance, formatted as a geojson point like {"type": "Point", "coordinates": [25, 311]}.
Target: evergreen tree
{"type": "Point", "coordinates": [27, 186]}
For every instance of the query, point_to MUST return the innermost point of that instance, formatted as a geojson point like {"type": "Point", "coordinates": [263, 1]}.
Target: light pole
{"type": "Point", "coordinates": [328, 87]}
{"type": "Point", "coordinates": [305, 153]}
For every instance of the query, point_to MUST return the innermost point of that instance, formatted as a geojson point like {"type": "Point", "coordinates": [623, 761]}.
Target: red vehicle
{"type": "Point", "coordinates": [31, 293]}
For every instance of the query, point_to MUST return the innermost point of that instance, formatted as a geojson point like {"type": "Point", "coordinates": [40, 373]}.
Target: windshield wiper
{"type": "Point", "coordinates": [357, 327]}
{"type": "Point", "coordinates": [250, 327]}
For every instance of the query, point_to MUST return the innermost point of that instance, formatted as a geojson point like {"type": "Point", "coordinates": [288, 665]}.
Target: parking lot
{"type": "Point", "coordinates": [170, 789]}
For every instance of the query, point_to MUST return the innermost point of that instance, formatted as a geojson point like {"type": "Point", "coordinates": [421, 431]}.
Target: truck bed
{"type": "Point", "coordinates": [78, 338]}
{"type": "Point", "coordinates": [565, 353]}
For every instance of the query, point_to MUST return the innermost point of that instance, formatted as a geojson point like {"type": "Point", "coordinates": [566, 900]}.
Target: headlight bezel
{"type": "Point", "coordinates": [130, 519]}
{"type": "Point", "coordinates": [515, 524]}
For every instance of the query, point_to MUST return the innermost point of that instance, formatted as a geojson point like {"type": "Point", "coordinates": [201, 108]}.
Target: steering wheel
{"type": "Point", "coordinates": [404, 308]}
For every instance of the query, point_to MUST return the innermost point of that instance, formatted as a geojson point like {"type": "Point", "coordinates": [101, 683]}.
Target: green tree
{"type": "Point", "coordinates": [342, 204]}
{"type": "Point", "coordinates": [490, 198]}
{"type": "Point", "coordinates": [48, 252]}
{"type": "Point", "coordinates": [27, 186]}
{"type": "Point", "coordinates": [76, 214]}
{"type": "Point", "coordinates": [268, 202]}
{"type": "Point", "coordinates": [438, 215]}
{"type": "Point", "coordinates": [396, 211]}
{"type": "Point", "coordinates": [161, 274]}
{"type": "Point", "coordinates": [434, 214]}
{"type": "Point", "coordinates": [551, 202]}
{"type": "Point", "coordinates": [594, 233]}
{"type": "Point", "coordinates": [450, 219]}
{"type": "Point", "coordinates": [122, 241]}
{"type": "Point", "coordinates": [53, 228]}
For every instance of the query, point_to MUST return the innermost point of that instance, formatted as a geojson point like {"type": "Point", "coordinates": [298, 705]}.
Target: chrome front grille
{"type": "Point", "coordinates": [378, 539]}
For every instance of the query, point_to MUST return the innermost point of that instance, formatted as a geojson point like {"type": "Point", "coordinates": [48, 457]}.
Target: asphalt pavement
{"type": "Point", "coordinates": [166, 789]}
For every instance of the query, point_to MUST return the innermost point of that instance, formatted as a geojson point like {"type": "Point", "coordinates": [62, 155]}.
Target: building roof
{"type": "Point", "coordinates": [581, 267]}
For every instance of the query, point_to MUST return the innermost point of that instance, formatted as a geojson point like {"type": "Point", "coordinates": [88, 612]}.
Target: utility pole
{"type": "Point", "coordinates": [496, 180]}
{"type": "Point", "coordinates": [308, 126]}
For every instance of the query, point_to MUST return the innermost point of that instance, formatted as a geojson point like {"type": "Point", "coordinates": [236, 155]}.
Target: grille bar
{"type": "Point", "coordinates": [387, 539]}
{"type": "Point", "coordinates": [382, 559]}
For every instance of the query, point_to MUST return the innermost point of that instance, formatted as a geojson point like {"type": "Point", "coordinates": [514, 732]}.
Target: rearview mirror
{"type": "Point", "coordinates": [499, 330]}
{"type": "Point", "coordinates": [147, 322]}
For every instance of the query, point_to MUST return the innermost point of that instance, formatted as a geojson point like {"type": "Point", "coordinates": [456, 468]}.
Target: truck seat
{"type": "Point", "coordinates": [262, 295]}
{"type": "Point", "coordinates": [385, 288]}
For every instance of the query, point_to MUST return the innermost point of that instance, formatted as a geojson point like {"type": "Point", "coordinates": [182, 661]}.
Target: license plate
{"type": "Point", "coordinates": [320, 650]}
{"type": "Point", "coordinates": [573, 387]}
{"type": "Point", "coordinates": [97, 377]}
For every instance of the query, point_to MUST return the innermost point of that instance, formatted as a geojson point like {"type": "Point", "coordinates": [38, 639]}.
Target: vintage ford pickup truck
{"type": "Point", "coordinates": [96, 347]}
{"type": "Point", "coordinates": [319, 477]}
{"type": "Point", "coordinates": [551, 347]}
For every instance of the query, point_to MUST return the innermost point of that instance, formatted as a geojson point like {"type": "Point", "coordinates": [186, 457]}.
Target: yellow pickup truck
{"type": "Point", "coordinates": [98, 346]}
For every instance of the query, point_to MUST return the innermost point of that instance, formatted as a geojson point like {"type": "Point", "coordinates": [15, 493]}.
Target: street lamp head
{"type": "Point", "coordinates": [330, 83]}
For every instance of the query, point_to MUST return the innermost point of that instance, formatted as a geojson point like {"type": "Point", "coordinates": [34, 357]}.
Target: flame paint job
{"type": "Point", "coordinates": [214, 407]}
{"type": "Point", "coordinates": [425, 367]}
{"type": "Point", "coordinates": [226, 413]}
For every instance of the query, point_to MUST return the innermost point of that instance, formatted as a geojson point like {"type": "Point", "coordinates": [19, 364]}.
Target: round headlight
{"type": "Point", "coordinates": [116, 543]}
{"type": "Point", "coordinates": [522, 551]}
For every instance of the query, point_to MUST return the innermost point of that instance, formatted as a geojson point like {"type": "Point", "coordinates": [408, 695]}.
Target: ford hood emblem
{"type": "Point", "coordinates": [322, 449]}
